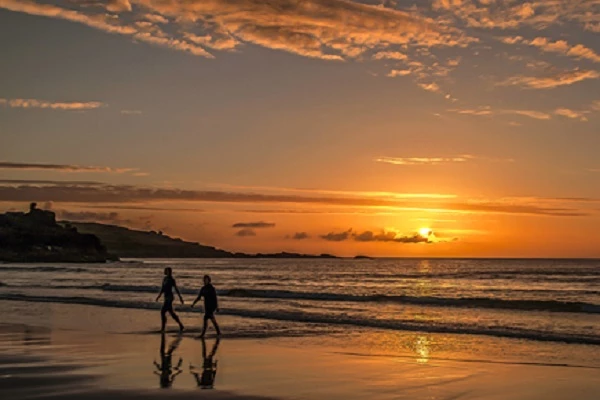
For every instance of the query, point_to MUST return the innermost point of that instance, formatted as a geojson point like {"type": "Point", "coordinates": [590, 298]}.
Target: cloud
{"type": "Point", "coordinates": [488, 111]}
{"type": "Point", "coordinates": [392, 237]}
{"type": "Point", "coordinates": [61, 167]}
{"type": "Point", "coordinates": [578, 51]}
{"type": "Point", "coordinates": [551, 82]}
{"type": "Point", "coordinates": [383, 236]}
{"type": "Point", "coordinates": [131, 112]}
{"type": "Point", "coordinates": [568, 113]}
{"type": "Point", "coordinates": [425, 160]}
{"type": "Point", "coordinates": [104, 22]}
{"type": "Point", "coordinates": [324, 29]}
{"type": "Point", "coordinates": [337, 237]}
{"type": "Point", "coordinates": [389, 55]}
{"type": "Point", "coordinates": [529, 113]}
{"type": "Point", "coordinates": [399, 72]}
{"type": "Point", "coordinates": [85, 216]}
{"type": "Point", "coordinates": [98, 21]}
{"type": "Point", "coordinates": [130, 194]}
{"type": "Point", "coordinates": [430, 87]}
{"type": "Point", "coordinates": [253, 225]}
{"type": "Point", "coordinates": [117, 6]}
{"type": "Point", "coordinates": [156, 18]}
{"type": "Point", "coordinates": [299, 236]}
{"type": "Point", "coordinates": [245, 233]}
{"type": "Point", "coordinates": [64, 106]}
{"type": "Point", "coordinates": [537, 14]}
{"type": "Point", "coordinates": [49, 182]}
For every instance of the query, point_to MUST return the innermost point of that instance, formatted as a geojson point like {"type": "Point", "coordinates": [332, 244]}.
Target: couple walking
{"type": "Point", "coordinates": [208, 291]}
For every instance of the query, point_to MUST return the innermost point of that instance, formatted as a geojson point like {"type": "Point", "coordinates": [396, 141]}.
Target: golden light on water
{"type": "Point", "coordinates": [422, 345]}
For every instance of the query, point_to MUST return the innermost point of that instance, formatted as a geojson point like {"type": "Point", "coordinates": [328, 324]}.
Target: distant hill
{"type": "Point", "coordinates": [35, 236]}
{"type": "Point", "coordinates": [129, 243]}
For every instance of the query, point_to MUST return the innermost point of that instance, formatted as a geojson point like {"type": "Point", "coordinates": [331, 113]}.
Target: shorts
{"type": "Point", "coordinates": [208, 314]}
{"type": "Point", "coordinates": [167, 306]}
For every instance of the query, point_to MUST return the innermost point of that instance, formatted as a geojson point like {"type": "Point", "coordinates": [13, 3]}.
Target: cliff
{"type": "Point", "coordinates": [129, 243]}
{"type": "Point", "coordinates": [37, 237]}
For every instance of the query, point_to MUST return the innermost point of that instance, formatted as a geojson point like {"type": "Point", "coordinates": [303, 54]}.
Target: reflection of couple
{"type": "Point", "coordinates": [167, 372]}
{"type": "Point", "coordinates": [165, 369]}
{"type": "Point", "coordinates": [206, 379]}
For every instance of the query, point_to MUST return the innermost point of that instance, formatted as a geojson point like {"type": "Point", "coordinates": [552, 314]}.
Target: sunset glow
{"type": "Point", "coordinates": [470, 127]}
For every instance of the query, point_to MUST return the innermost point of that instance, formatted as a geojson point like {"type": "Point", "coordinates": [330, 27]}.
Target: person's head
{"type": "Point", "coordinates": [206, 279]}
{"type": "Point", "coordinates": [168, 271]}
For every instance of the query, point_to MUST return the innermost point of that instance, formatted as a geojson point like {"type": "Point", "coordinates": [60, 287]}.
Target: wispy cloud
{"type": "Point", "coordinates": [53, 105]}
{"type": "Point", "coordinates": [253, 225]}
{"type": "Point", "coordinates": [104, 22]}
{"type": "Point", "coordinates": [424, 160]}
{"type": "Point", "coordinates": [552, 81]}
{"type": "Point", "coordinates": [131, 112]}
{"type": "Point", "coordinates": [488, 111]}
{"type": "Point", "coordinates": [430, 87]}
{"type": "Point", "coordinates": [563, 47]}
{"type": "Point", "coordinates": [129, 194]}
{"type": "Point", "coordinates": [84, 216]}
{"type": "Point", "coordinates": [436, 160]}
{"type": "Point", "coordinates": [382, 236]}
{"type": "Point", "coordinates": [245, 233]}
{"type": "Point", "coordinates": [299, 236]}
{"type": "Point", "coordinates": [537, 14]}
{"type": "Point", "coordinates": [398, 72]}
{"type": "Point", "coordinates": [566, 112]}
{"type": "Point", "coordinates": [62, 167]}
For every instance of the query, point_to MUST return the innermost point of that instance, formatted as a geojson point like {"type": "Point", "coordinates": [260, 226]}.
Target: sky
{"type": "Point", "coordinates": [430, 128]}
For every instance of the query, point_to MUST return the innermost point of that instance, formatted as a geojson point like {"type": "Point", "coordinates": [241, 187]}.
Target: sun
{"type": "Point", "coordinates": [425, 232]}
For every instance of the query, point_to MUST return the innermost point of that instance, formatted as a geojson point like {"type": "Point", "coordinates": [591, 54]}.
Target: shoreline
{"type": "Point", "coordinates": [46, 363]}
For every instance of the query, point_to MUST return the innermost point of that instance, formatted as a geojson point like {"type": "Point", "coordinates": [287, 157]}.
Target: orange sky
{"type": "Point", "coordinates": [330, 126]}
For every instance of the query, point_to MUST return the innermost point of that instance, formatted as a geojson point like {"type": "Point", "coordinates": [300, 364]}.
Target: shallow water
{"type": "Point", "coordinates": [542, 300]}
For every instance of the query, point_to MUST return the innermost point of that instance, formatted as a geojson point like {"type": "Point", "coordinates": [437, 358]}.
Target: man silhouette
{"type": "Point", "coordinates": [168, 285]}
{"type": "Point", "coordinates": [211, 304]}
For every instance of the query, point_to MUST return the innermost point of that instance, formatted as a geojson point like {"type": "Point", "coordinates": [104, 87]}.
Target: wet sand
{"type": "Point", "coordinates": [65, 355]}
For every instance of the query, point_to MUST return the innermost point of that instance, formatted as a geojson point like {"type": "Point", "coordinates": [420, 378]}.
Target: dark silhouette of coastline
{"type": "Point", "coordinates": [35, 236]}
{"type": "Point", "coordinates": [131, 243]}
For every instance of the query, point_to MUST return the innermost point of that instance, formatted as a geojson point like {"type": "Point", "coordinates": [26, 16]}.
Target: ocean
{"type": "Point", "coordinates": [550, 301]}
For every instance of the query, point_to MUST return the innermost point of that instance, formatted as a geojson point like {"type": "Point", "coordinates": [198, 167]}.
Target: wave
{"type": "Point", "coordinates": [460, 302]}
{"type": "Point", "coordinates": [337, 320]}
{"type": "Point", "coordinates": [466, 302]}
{"type": "Point", "coordinates": [45, 268]}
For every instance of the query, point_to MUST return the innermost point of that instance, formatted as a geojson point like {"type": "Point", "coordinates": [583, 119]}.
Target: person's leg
{"type": "Point", "coordinates": [176, 318]}
{"type": "Point", "coordinates": [163, 318]}
{"type": "Point", "coordinates": [214, 321]}
{"type": "Point", "coordinates": [204, 326]}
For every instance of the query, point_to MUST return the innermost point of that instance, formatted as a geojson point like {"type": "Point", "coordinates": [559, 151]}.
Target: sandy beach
{"type": "Point", "coordinates": [66, 352]}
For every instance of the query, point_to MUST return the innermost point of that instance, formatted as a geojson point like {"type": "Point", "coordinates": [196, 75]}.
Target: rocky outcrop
{"type": "Point", "coordinates": [37, 237]}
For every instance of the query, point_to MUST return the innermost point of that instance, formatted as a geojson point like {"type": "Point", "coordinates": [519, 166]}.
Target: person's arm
{"type": "Point", "coordinates": [198, 298]}
{"type": "Point", "coordinates": [178, 293]}
{"type": "Point", "coordinates": [162, 289]}
{"type": "Point", "coordinates": [217, 301]}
